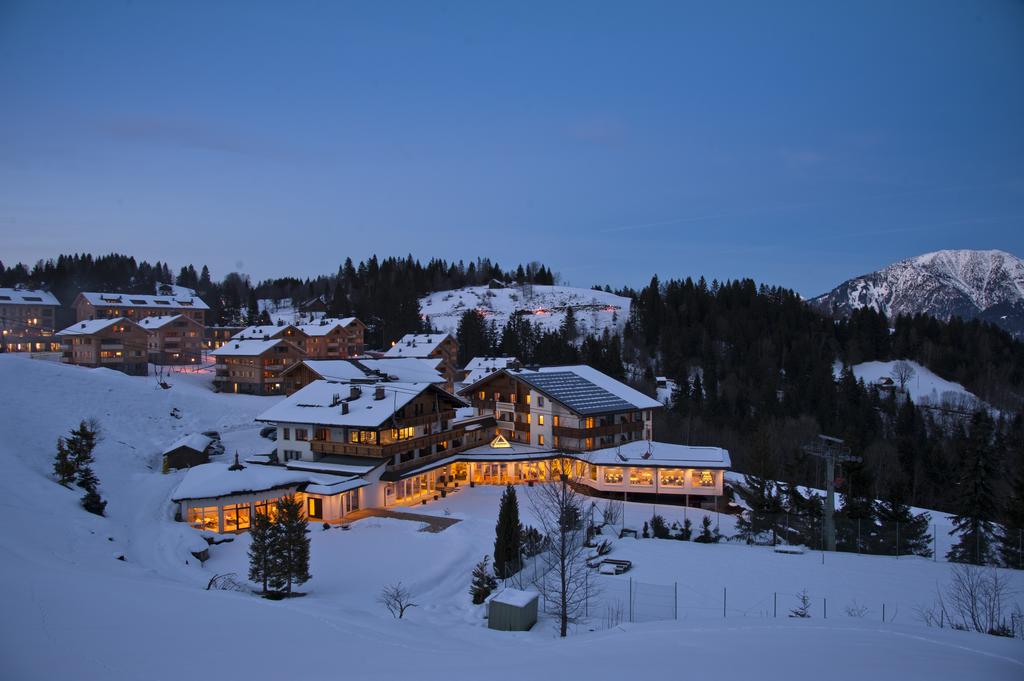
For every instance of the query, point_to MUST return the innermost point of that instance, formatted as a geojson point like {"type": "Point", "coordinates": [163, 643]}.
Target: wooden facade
{"type": "Point", "coordinates": [258, 372]}
{"type": "Point", "coordinates": [176, 341]}
{"type": "Point", "coordinates": [121, 345]}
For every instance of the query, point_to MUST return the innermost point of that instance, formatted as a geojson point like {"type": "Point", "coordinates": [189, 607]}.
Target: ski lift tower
{"type": "Point", "coordinates": [832, 450]}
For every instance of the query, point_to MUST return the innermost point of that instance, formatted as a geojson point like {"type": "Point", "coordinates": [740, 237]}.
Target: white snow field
{"type": "Point", "coordinates": [544, 305]}
{"type": "Point", "coordinates": [71, 609]}
{"type": "Point", "coordinates": [924, 387]}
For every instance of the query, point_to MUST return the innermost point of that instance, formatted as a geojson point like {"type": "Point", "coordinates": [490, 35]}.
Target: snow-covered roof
{"type": "Point", "coordinates": [325, 326]}
{"type": "Point", "coordinates": [492, 363]}
{"type": "Point", "coordinates": [581, 388]}
{"type": "Point", "coordinates": [91, 326]}
{"type": "Point", "coordinates": [154, 323]}
{"type": "Point", "coordinates": [24, 296]}
{"type": "Point", "coordinates": [515, 597]}
{"type": "Point", "coordinates": [416, 345]}
{"type": "Point", "coordinates": [321, 403]}
{"type": "Point", "coordinates": [196, 441]}
{"type": "Point", "coordinates": [212, 480]}
{"type": "Point", "coordinates": [143, 300]}
{"type": "Point", "coordinates": [407, 369]}
{"type": "Point", "coordinates": [261, 331]}
{"type": "Point", "coordinates": [328, 466]}
{"type": "Point", "coordinates": [643, 453]}
{"type": "Point", "coordinates": [246, 348]}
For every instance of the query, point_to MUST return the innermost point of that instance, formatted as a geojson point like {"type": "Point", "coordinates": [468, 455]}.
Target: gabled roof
{"type": "Point", "coordinates": [407, 369]}
{"type": "Point", "coordinates": [24, 296]}
{"type": "Point", "coordinates": [213, 480]}
{"type": "Point", "coordinates": [249, 348]}
{"type": "Point", "coordinates": [143, 300]}
{"type": "Point", "coordinates": [196, 441]}
{"type": "Point", "coordinates": [326, 326]}
{"type": "Point", "coordinates": [91, 326]}
{"type": "Point", "coordinates": [154, 323]}
{"type": "Point", "coordinates": [417, 345]}
{"type": "Point", "coordinates": [261, 331]}
{"type": "Point", "coordinates": [491, 363]}
{"type": "Point", "coordinates": [320, 403]}
{"type": "Point", "coordinates": [581, 388]}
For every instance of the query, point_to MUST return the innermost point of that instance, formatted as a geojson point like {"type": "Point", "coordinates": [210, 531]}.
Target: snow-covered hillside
{"type": "Point", "coordinates": [543, 305]}
{"type": "Point", "coordinates": [74, 610]}
{"type": "Point", "coordinates": [284, 311]}
{"type": "Point", "coordinates": [943, 284]}
{"type": "Point", "coordinates": [924, 386]}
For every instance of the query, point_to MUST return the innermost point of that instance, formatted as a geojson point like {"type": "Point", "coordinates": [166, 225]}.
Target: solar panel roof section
{"type": "Point", "coordinates": [575, 392]}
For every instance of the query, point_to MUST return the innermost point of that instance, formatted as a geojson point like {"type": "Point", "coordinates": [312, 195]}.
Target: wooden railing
{"type": "Point", "coordinates": [388, 450]}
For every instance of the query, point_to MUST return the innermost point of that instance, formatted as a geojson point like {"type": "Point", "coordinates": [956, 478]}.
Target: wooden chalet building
{"type": "Point", "coordinates": [28, 320]}
{"type": "Point", "coordinates": [254, 367]}
{"type": "Point", "coordinates": [174, 339]}
{"type": "Point", "coordinates": [430, 345]}
{"type": "Point", "coordinates": [216, 336]}
{"type": "Point", "coordinates": [325, 339]}
{"type": "Point", "coordinates": [118, 344]}
{"type": "Point", "coordinates": [136, 306]}
{"type": "Point", "coordinates": [356, 442]}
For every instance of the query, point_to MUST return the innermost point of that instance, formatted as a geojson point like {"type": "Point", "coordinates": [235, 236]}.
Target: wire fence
{"type": "Point", "coordinates": [878, 537]}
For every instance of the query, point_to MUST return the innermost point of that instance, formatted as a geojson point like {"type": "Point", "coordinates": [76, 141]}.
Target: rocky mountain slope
{"type": "Point", "coordinates": [944, 284]}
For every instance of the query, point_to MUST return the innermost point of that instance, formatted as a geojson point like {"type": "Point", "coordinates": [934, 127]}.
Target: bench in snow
{"type": "Point", "coordinates": [784, 548]}
{"type": "Point", "coordinates": [611, 566]}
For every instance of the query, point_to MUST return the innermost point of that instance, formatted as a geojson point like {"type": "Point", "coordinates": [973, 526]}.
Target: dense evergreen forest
{"type": "Point", "coordinates": [761, 372]}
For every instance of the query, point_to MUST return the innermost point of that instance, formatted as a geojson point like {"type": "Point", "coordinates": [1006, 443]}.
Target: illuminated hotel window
{"type": "Point", "coordinates": [236, 517]}
{"type": "Point", "coordinates": [613, 476]}
{"type": "Point", "coordinates": [203, 518]}
{"type": "Point", "coordinates": [642, 477]}
{"type": "Point", "coordinates": [527, 398]}
{"type": "Point", "coordinates": [554, 421]}
{"type": "Point", "coordinates": [540, 419]}
{"type": "Point", "coordinates": [589, 422]}
{"type": "Point", "coordinates": [315, 508]}
{"type": "Point", "coordinates": [528, 417]}
{"type": "Point", "coordinates": [702, 478]}
{"type": "Point", "coordinates": [672, 477]}
{"type": "Point", "coordinates": [483, 395]}
{"type": "Point", "coordinates": [540, 440]}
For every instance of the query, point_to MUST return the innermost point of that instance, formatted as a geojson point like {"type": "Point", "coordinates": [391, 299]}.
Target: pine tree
{"type": "Point", "coordinates": [80, 445]}
{"type": "Point", "coordinates": [568, 330]}
{"type": "Point", "coordinates": [92, 502]}
{"type": "Point", "coordinates": [762, 496]}
{"type": "Point", "coordinates": [902, 532]}
{"type": "Point", "coordinates": [64, 465]}
{"type": "Point", "coordinates": [291, 554]}
{"type": "Point", "coordinates": [483, 582]}
{"type": "Point", "coordinates": [1011, 533]}
{"type": "Point", "coordinates": [507, 541]}
{"type": "Point", "coordinates": [263, 534]}
{"type": "Point", "coordinates": [975, 502]}
{"type": "Point", "coordinates": [706, 535]}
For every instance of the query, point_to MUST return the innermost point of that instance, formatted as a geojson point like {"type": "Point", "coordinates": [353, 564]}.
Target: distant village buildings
{"type": "Point", "coordinates": [28, 320]}
{"type": "Point", "coordinates": [90, 305]}
{"type": "Point", "coordinates": [119, 344]}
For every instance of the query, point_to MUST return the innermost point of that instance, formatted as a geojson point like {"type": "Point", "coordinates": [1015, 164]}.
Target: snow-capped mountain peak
{"type": "Point", "coordinates": [962, 283]}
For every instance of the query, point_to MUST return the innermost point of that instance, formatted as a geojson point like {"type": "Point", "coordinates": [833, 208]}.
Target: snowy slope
{"type": "Point", "coordinates": [74, 611]}
{"type": "Point", "coordinates": [284, 311]}
{"type": "Point", "coordinates": [943, 284]}
{"type": "Point", "coordinates": [543, 305]}
{"type": "Point", "coordinates": [924, 387]}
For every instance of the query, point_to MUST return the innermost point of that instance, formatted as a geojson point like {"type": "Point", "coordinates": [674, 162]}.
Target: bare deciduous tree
{"type": "Point", "coordinates": [611, 512]}
{"type": "Point", "coordinates": [397, 599]}
{"type": "Point", "coordinates": [975, 600]}
{"type": "Point", "coordinates": [902, 372]}
{"type": "Point", "coordinates": [565, 582]}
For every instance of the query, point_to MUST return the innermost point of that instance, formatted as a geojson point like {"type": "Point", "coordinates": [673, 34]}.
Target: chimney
{"type": "Point", "coordinates": [335, 400]}
{"type": "Point", "coordinates": [355, 392]}
{"type": "Point", "coordinates": [378, 393]}
{"type": "Point", "coordinates": [344, 408]}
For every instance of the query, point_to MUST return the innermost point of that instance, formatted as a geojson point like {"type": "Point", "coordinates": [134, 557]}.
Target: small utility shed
{"type": "Point", "coordinates": [189, 451]}
{"type": "Point", "coordinates": [512, 610]}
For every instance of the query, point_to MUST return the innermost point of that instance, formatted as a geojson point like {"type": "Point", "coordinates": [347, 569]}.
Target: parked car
{"type": "Point", "coordinates": [269, 432]}
{"type": "Point", "coordinates": [212, 434]}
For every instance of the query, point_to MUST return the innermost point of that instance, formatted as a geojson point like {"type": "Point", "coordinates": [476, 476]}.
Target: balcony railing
{"type": "Point", "coordinates": [386, 450]}
{"type": "Point", "coordinates": [598, 431]}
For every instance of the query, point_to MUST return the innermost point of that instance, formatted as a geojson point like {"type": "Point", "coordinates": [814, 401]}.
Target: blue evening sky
{"type": "Point", "coordinates": [796, 143]}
